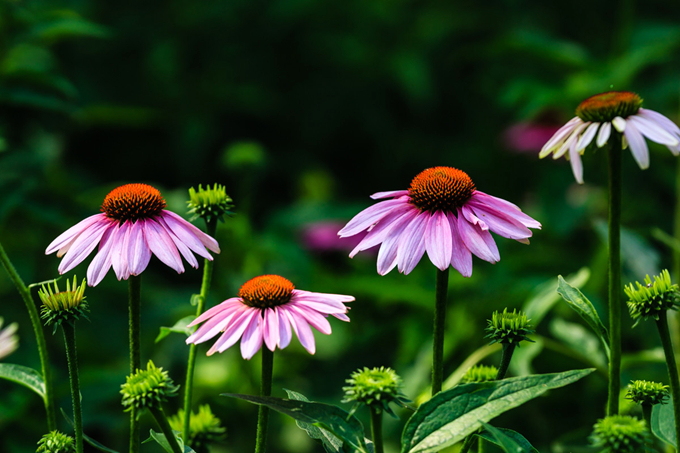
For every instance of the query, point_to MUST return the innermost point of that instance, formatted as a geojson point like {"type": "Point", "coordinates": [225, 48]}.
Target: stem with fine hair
{"type": "Point", "coordinates": [135, 290]}
{"type": "Point", "coordinates": [439, 327]}
{"type": "Point", "coordinates": [39, 335]}
{"type": "Point", "coordinates": [506, 356]}
{"type": "Point", "coordinates": [664, 333]}
{"type": "Point", "coordinates": [647, 415]}
{"type": "Point", "coordinates": [164, 425]}
{"type": "Point", "coordinates": [614, 163]}
{"type": "Point", "coordinates": [265, 390]}
{"type": "Point", "coordinates": [211, 227]}
{"type": "Point", "coordinates": [376, 429]}
{"type": "Point", "coordinates": [72, 358]}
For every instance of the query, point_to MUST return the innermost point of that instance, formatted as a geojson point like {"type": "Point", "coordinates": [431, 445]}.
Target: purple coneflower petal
{"type": "Point", "coordinates": [379, 232]}
{"type": "Point", "coordinates": [162, 246]}
{"type": "Point", "coordinates": [619, 124]}
{"type": "Point", "coordinates": [231, 302]}
{"type": "Point", "coordinates": [573, 138]}
{"type": "Point", "coordinates": [322, 296]}
{"type": "Point", "coordinates": [653, 131]}
{"type": "Point", "coordinates": [667, 124]}
{"type": "Point", "coordinates": [301, 329]}
{"type": "Point", "coordinates": [138, 252]}
{"type": "Point", "coordinates": [576, 164]}
{"type": "Point", "coordinates": [67, 238]}
{"type": "Point", "coordinates": [233, 331]}
{"type": "Point", "coordinates": [638, 146]}
{"type": "Point", "coordinates": [101, 263]}
{"type": "Point", "coordinates": [119, 257]}
{"type": "Point", "coordinates": [270, 328]}
{"type": "Point", "coordinates": [313, 318]}
{"type": "Point", "coordinates": [502, 208]}
{"type": "Point", "coordinates": [502, 224]}
{"type": "Point", "coordinates": [252, 338]}
{"type": "Point", "coordinates": [472, 218]}
{"type": "Point", "coordinates": [478, 241]}
{"type": "Point", "coordinates": [369, 216]}
{"type": "Point", "coordinates": [559, 136]}
{"type": "Point", "coordinates": [285, 333]}
{"type": "Point", "coordinates": [412, 243]}
{"type": "Point", "coordinates": [218, 323]}
{"type": "Point", "coordinates": [438, 239]}
{"type": "Point", "coordinates": [389, 194]}
{"type": "Point", "coordinates": [461, 258]}
{"type": "Point", "coordinates": [181, 246]}
{"type": "Point", "coordinates": [188, 234]}
{"type": "Point", "coordinates": [387, 255]}
{"type": "Point", "coordinates": [587, 136]}
{"type": "Point", "coordinates": [340, 316]}
{"type": "Point", "coordinates": [603, 134]}
{"type": "Point", "coordinates": [84, 244]}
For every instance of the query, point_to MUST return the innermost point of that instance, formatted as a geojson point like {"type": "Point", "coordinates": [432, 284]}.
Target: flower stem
{"type": "Point", "coordinates": [506, 356]}
{"type": "Point", "coordinates": [376, 429]}
{"type": "Point", "coordinates": [39, 335]}
{"type": "Point", "coordinates": [614, 161]}
{"type": "Point", "coordinates": [211, 227]}
{"type": "Point", "coordinates": [439, 327]}
{"type": "Point", "coordinates": [135, 290]}
{"type": "Point", "coordinates": [72, 358]}
{"type": "Point", "coordinates": [647, 415]}
{"type": "Point", "coordinates": [265, 390]}
{"type": "Point", "coordinates": [163, 424]}
{"type": "Point", "coordinates": [664, 333]}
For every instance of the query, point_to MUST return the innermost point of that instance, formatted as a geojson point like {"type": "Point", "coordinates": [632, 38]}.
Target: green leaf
{"type": "Point", "coordinates": [666, 239]}
{"type": "Point", "coordinates": [195, 299]}
{"type": "Point", "coordinates": [330, 442]}
{"type": "Point", "coordinates": [453, 414]}
{"type": "Point", "coordinates": [580, 340]}
{"type": "Point", "coordinates": [25, 376]}
{"type": "Point", "coordinates": [581, 305]}
{"type": "Point", "coordinates": [87, 438]}
{"type": "Point", "coordinates": [663, 423]}
{"type": "Point", "coordinates": [329, 417]}
{"type": "Point", "coordinates": [510, 441]}
{"type": "Point", "coordinates": [179, 327]}
{"type": "Point", "coordinates": [163, 441]}
{"type": "Point", "coordinates": [544, 297]}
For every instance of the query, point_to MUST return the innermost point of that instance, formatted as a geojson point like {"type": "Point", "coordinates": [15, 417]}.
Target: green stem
{"type": "Point", "coordinates": [662, 325]}
{"type": "Point", "coordinates": [265, 390]}
{"type": "Point", "coordinates": [439, 327]}
{"type": "Point", "coordinates": [135, 291]}
{"type": "Point", "coordinates": [39, 335]}
{"type": "Point", "coordinates": [376, 429]}
{"type": "Point", "coordinates": [614, 161]}
{"type": "Point", "coordinates": [506, 356]}
{"type": "Point", "coordinates": [72, 358]}
{"type": "Point", "coordinates": [211, 227]}
{"type": "Point", "coordinates": [163, 424]}
{"type": "Point", "coordinates": [647, 415]}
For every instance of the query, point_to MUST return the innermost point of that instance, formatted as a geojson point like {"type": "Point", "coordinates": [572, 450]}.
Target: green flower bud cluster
{"type": "Point", "coordinates": [204, 428]}
{"type": "Point", "coordinates": [508, 328]}
{"type": "Point", "coordinates": [56, 442]}
{"type": "Point", "coordinates": [647, 301]}
{"type": "Point", "coordinates": [147, 388]}
{"type": "Point", "coordinates": [480, 373]}
{"type": "Point", "coordinates": [620, 434]}
{"type": "Point", "coordinates": [63, 306]}
{"type": "Point", "coordinates": [209, 204]}
{"type": "Point", "coordinates": [375, 388]}
{"type": "Point", "coordinates": [646, 392]}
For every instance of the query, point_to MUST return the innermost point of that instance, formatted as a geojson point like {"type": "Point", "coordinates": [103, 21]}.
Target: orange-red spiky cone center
{"type": "Point", "coordinates": [266, 291]}
{"type": "Point", "coordinates": [605, 107]}
{"type": "Point", "coordinates": [441, 188]}
{"type": "Point", "coordinates": [133, 202]}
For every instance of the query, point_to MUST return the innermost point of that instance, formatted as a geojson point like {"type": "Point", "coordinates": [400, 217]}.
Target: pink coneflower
{"type": "Point", "coordinates": [441, 213]}
{"type": "Point", "coordinates": [133, 225]}
{"type": "Point", "coordinates": [593, 123]}
{"type": "Point", "coordinates": [267, 307]}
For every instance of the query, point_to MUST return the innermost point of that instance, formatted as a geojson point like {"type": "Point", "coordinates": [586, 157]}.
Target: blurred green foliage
{"type": "Point", "coordinates": [302, 109]}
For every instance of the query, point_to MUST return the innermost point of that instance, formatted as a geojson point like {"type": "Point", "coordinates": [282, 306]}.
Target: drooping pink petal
{"type": "Point", "coordinates": [188, 234]}
{"type": "Point", "coordinates": [231, 302]}
{"type": "Point", "coordinates": [461, 258]}
{"type": "Point", "coordinates": [322, 296]}
{"type": "Point", "coordinates": [658, 118]}
{"type": "Point", "coordinates": [576, 164]}
{"type": "Point", "coordinates": [70, 235]}
{"type": "Point", "coordinates": [556, 139]}
{"type": "Point", "coordinates": [252, 338]}
{"type": "Point", "coordinates": [322, 307]}
{"type": "Point", "coordinates": [653, 131]}
{"type": "Point", "coordinates": [301, 329]}
{"type": "Point", "coordinates": [501, 223]}
{"type": "Point", "coordinates": [270, 328]}
{"type": "Point", "coordinates": [138, 252]}
{"type": "Point", "coordinates": [119, 253]}
{"type": "Point", "coordinates": [101, 263]}
{"type": "Point", "coordinates": [412, 243]}
{"type": "Point", "coordinates": [380, 231]}
{"type": "Point", "coordinates": [472, 218]}
{"type": "Point", "coordinates": [285, 333]}
{"type": "Point", "coordinates": [587, 136]}
{"type": "Point", "coordinates": [316, 320]}
{"type": "Point", "coordinates": [502, 207]}
{"type": "Point", "coordinates": [477, 240]}
{"type": "Point", "coordinates": [573, 138]}
{"type": "Point", "coordinates": [233, 331]}
{"type": "Point", "coordinates": [369, 216]}
{"type": "Point", "coordinates": [218, 323]}
{"type": "Point", "coordinates": [387, 255]}
{"type": "Point", "coordinates": [341, 316]}
{"type": "Point", "coordinates": [162, 246]}
{"type": "Point", "coordinates": [389, 194]}
{"type": "Point", "coordinates": [603, 135]}
{"type": "Point", "coordinates": [638, 146]}
{"type": "Point", "coordinates": [183, 249]}
{"type": "Point", "coordinates": [84, 244]}
{"type": "Point", "coordinates": [619, 124]}
{"type": "Point", "coordinates": [438, 240]}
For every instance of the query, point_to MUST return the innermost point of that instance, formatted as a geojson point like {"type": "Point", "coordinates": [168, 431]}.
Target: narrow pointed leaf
{"type": "Point", "coordinates": [453, 414]}
{"type": "Point", "coordinates": [510, 441]}
{"type": "Point", "coordinates": [329, 417]}
{"type": "Point", "coordinates": [179, 327]}
{"type": "Point", "coordinates": [663, 423]}
{"type": "Point", "coordinates": [163, 441]}
{"type": "Point", "coordinates": [330, 442]}
{"type": "Point", "coordinates": [25, 376]}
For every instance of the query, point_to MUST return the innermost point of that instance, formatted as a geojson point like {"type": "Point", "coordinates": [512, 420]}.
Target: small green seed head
{"type": "Point", "coordinates": [147, 388]}
{"type": "Point", "coordinates": [376, 388]}
{"type": "Point", "coordinates": [204, 428]}
{"type": "Point", "coordinates": [508, 328]}
{"type": "Point", "coordinates": [646, 392]}
{"type": "Point", "coordinates": [649, 300]}
{"type": "Point", "coordinates": [480, 373]}
{"type": "Point", "coordinates": [620, 434]}
{"type": "Point", "coordinates": [63, 306]}
{"type": "Point", "coordinates": [56, 442]}
{"type": "Point", "coordinates": [209, 204]}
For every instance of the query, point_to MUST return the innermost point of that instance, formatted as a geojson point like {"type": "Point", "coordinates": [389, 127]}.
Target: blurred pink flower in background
{"type": "Point", "coordinates": [322, 236]}
{"type": "Point", "coordinates": [528, 136]}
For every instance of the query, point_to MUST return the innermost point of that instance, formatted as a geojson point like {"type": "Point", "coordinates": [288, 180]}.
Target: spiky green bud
{"type": "Point", "coordinates": [508, 328]}
{"type": "Point", "coordinates": [649, 300]}
{"type": "Point", "coordinates": [63, 306]}
{"type": "Point", "coordinates": [376, 388]}
{"type": "Point", "coordinates": [620, 434]}
{"type": "Point", "coordinates": [480, 373]}
{"type": "Point", "coordinates": [204, 428]}
{"type": "Point", "coordinates": [209, 204]}
{"type": "Point", "coordinates": [56, 442]}
{"type": "Point", "coordinates": [646, 392]}
{"type": "Point", "coordinates": [147, 388]}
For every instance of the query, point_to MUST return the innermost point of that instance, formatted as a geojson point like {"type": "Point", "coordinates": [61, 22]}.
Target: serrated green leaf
{"type": "Point", "coordinates": [330, 442]}
{"type": "Point", "coordinates": [87, 438]}
{"type": "Point", "coordinates": [179, 327]}
{"type": "Point", "coordinates": [329, 417]}
{"type": "Point", "coordinates": [510, 441]}
{"type": "Point", "coordinates": [663, 423]}
{"type": "Point", "coordinates": [453, 414]}
{"type": "Point", "coordinates": [25, 376]}
{"type": "Point", "coordinates": [581, 305]}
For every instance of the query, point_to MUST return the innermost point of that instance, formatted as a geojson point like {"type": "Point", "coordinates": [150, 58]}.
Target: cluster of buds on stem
{"type": "Point", "coordinates": [509, 328]}
{"type": "Point", "coordinates": [620, 434]}
{"type": "Point", "coordinates": [146, 389]}
{"type": "Point", "coordinates": [651, 299]}
{"type": "Point", "coordinates": [376, 388]}
{"type": "Point", "coordinates": [209, 204]}
{"type": "Point", "coordinates": [63, 306]}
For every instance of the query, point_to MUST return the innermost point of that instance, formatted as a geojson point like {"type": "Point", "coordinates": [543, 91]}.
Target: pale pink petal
{"type": "Point", "coordinates": [119, 253]}
{"type": "Point", "coordinates": [322, 307]}
{"type": "Point", "coordinates": [341, 316]}
{"type": "Point", "coordinates": [191, 235]}
{"type": "Point", "coordinates": [162, 246]}
{"type": "Point", "coordinates": [560, 135]}
{"type": "Point", "coordinates": [502, 207]}
{"type": "Point", "coordinates": [412, 243]}
{"type": "Point", "coordinates": [101, 263]}
{"type": "Point", "coordinates": [501, 223]}
{"type": "Point", "coordinates": [477, 240]}
{"type": "Point", "coordinates": [181, 246]}
{"type": "Point", "coordinates": [638, 146]}
{"type": "Point", "coordinates": [218, 323]}
{"type": "Point", "coordinates": [316, 320]}
{"type": "Point", "coordinates": [252, 338]}
{"type": "Point", "coordinates": [587, 136]}
{"type": "Point", "coordinates": [461, 258]}
{"type": "Point", "coordinates": [603, 135]}
{"type": "Point", "coordinates": [660, 119]}
{"type": "Point", "coordinates": [369, 216]}
{"type": "Point", "coordinates": [390, 194]}
{"type": "Point", "coordinates": [138, 252]}
{"type": "Point", "coordinates": [472, 218]}
{"type": "Point", "coordinates": [379, 232]}
{"type": "Point", "coordinates": [576, 164]}
{"type": "Point", "coordinates": [438, 240]}
{"type": "Point", "coordinates": [285, 333]}
{"type": "Point", "coordinates": [84, 244]}
{"type": "Point", "coordinates": [322, 296]}
{"type": "Point", "coordinates": [270, 328]}
{"type": "Point", "coordinates": [233, 331]}
{"type": "Point", "coordinates": [70, 235]}
{"type": "Point", "coordinates": [573, 138]}
{"type": "Point", "coordinates": [231, 302]}
{"type": "Point", "coordinates": [653, 131]}
{"type": "Point", "coordinates": [619, 124]}
{"type": "Point", "coordinates": [387, 255]}
{"type": "Point", "coordinates": [301, 329]}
